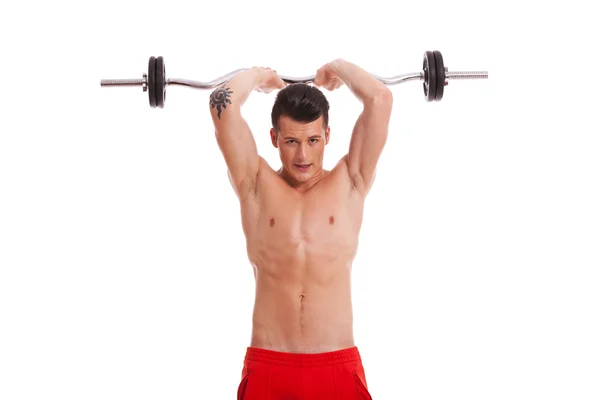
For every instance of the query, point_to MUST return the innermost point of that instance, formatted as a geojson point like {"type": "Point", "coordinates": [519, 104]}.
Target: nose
{"type": "Point", "coordinates": [302, 151]}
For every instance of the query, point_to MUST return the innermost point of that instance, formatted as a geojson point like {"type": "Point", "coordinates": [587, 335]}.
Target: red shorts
{"type": "Point", "coordinates": [273, 375]}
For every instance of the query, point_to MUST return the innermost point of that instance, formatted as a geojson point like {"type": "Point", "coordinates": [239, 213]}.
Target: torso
{"type": "Point", "coordinates": [301, 246]}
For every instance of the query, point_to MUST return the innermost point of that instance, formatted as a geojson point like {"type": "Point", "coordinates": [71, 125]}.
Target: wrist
{"type": "Point", "coordinates": [256, 76]}
{"type": "Point", "coordinates": [339, 67]}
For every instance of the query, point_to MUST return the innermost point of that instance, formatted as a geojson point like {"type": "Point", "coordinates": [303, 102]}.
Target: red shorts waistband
{"type": "Point", "coordinates": [350, 354]}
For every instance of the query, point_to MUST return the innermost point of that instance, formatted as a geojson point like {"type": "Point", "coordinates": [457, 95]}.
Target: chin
{"type": "Point", "coordinates": [301, 177]}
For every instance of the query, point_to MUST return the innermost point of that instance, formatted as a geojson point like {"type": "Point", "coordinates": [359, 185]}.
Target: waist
{"type": "Point", "coordinates": [257, 354]}
{"type": "Point", "coordinates": [295, 338]}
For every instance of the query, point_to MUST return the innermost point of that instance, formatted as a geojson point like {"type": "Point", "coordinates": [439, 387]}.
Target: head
{"type": "Point", "coordinates": [300, 119]}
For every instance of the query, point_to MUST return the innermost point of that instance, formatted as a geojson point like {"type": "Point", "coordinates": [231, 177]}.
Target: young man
{"type": "Point", "coordinates": [302, 224]}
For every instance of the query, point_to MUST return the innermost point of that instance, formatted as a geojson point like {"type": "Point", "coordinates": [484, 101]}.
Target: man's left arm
{"type": "Point", "coordinates": [371, 129]}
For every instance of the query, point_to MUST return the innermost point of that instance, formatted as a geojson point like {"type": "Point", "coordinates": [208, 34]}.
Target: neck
{"type": "Point", "coordinates": [301, 186]}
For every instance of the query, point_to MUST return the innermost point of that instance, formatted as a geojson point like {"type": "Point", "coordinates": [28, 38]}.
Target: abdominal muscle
{"type": "Point", "coordinates": [302, 310]}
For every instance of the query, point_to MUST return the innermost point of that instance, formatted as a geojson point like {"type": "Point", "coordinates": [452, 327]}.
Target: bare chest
{"type": "Point", "coordinates": [317, 230]}
{"type": "Point", "coordinates": [326, 224]}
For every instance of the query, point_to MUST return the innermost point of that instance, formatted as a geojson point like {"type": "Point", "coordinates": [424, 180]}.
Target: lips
{"type": "Point", "coordinates": [303, 167]}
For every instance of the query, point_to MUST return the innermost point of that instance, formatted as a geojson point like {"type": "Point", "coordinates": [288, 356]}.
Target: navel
{"type": "Point", "coordinates": [331, 220]}
{"type": "Point", "coordinates": [272, 222]}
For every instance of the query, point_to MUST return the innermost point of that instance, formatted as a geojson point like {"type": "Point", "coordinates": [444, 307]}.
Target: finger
{"type": "Point", "coordinates": [317, 81]}
{"type": "Point", "coordinates": [322, 81]}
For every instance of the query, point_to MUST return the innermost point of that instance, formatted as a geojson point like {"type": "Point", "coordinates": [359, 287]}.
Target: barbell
{"type": "Point", "coordinates": [435, 77]}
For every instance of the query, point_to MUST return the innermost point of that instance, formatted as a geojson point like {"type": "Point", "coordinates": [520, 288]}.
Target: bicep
{"type": "Point", "coordinates": [368, 139]}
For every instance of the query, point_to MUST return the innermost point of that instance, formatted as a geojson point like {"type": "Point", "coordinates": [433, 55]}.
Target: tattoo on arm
{"type": "Point", "coordinates": [219, 98]}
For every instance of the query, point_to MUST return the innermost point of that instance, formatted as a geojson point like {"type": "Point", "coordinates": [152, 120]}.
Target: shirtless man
{"type": "Point", "coordinates": [302, 224]}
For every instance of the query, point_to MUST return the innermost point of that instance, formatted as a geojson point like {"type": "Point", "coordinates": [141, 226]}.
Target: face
{"type": "Point", "coordinates": [301, 147]}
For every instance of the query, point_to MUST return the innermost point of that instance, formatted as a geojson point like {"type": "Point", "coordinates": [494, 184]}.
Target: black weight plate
{"type": "Point", "coordinates": [430, 84]}
{"type": "Point", "coordinates": [161, 82]}
{"type": "Point", "coordinates": [152, 81]}
{"type": "Point", "coordinates": [425, 76]}
{"type": "Point", "coordinates": [441, 75]}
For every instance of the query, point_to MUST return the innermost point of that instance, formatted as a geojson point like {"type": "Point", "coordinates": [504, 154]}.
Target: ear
{"type": "Point", "coordinates": [273, 137]}
{"type": "Point", "coordinates": [327, 132]}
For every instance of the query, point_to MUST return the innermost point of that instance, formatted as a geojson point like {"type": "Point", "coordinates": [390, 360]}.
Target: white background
{"type": "Point", "coordinates": [123, 271]}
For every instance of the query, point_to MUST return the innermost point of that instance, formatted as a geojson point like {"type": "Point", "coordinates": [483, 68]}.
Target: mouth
{"type": "Point", "coordinates": [302, 167]}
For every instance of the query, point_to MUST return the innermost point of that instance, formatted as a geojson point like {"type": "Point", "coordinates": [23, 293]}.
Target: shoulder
{"type": "Point", "coordinates": [264, 168]}
{"type": "Point", "coordinates": [267, 177]}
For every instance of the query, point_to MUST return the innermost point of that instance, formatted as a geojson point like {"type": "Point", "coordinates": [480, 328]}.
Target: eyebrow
{"type": "Point", "coordinates": [312, 137]}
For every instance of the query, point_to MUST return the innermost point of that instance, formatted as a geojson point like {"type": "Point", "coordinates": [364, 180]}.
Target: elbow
{"type": "Point", "coordinates": [385, 96]}
{"type": "Point", "coordinates": [382, 98]}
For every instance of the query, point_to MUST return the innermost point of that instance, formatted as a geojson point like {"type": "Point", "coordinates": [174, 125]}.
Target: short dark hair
{"type": "Point", "coordinates": [301, 102]}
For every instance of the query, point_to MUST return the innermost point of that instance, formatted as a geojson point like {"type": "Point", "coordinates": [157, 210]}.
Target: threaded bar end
{"type": "Point", "coordinates": [122, 82]}
{"type": "Point", "coordinates": [467, 75]}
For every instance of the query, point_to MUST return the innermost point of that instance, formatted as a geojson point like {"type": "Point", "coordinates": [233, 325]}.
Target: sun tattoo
{"type": "Point", "coordinates": [219, 98]}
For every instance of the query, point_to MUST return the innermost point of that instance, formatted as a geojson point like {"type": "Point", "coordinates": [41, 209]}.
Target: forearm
{"type": "Point", "coordinates": [228, 98]}
{"type": "Point", "coordinates": [360, 82]}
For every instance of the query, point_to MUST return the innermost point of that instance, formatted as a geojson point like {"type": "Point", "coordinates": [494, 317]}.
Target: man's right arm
{"type": "Point", "coordinates": [233, 134]}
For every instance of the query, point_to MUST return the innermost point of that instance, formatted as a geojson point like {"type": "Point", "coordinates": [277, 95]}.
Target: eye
{"type": "Point", "coordinates": [290, 141]}
{"type": "Point", "coordinates": [314, 140]}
